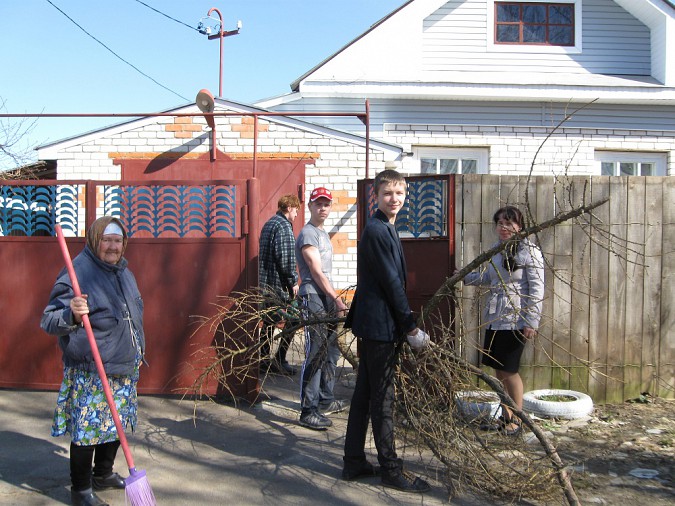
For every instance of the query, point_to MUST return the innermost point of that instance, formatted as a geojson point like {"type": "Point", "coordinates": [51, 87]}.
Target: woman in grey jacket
{"type": "Point", "coordinates": [513, 306]}
{"type": "Point", "coordinates": [111, 298]}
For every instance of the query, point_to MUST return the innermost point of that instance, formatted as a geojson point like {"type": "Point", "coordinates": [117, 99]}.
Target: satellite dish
{"type": "Point", "coordinates": [206, 103]}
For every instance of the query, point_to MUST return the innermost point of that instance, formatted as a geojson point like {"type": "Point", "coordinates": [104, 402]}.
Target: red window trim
{"type": "Point", "coordinates": [521, 24]}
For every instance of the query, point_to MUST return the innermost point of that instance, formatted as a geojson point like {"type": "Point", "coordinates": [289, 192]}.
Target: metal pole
{"type": "Point", "coordinates": [221, 35]}
{"type": "Point", "coordinates": [255, 146]}
{"type": "Point", "coordinates": [367, 121]}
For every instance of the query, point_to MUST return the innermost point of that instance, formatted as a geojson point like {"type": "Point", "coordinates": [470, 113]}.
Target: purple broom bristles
{"type": "Point", "coordinates": [138, 490]}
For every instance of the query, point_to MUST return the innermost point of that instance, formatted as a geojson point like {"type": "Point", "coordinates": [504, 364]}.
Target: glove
{"type": "Point", "coordinates": [419, 341]}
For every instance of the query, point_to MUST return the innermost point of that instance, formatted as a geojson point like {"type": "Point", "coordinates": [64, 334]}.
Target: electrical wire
{"type": "Point", "coordinates": [116, 55]}
{"type": "Point", "coordinates": [167, 16]}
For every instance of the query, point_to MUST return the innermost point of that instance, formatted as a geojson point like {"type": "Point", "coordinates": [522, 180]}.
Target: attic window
{"type": "Point", "coordinates": [538, 23]}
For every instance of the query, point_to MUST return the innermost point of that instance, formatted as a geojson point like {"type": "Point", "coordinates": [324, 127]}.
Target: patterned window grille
{"type": "Point", "coordinates": [147, 211]}
{"type": "Point", "coordinates": [424, 213]}
{"type": "Point", "coordinates": [173, 210]}
{"type": "Point", "coordinates": [34, 210]}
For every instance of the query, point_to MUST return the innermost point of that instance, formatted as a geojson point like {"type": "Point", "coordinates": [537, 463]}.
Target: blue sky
{"type": "Point", "coordinates": [52, 66]}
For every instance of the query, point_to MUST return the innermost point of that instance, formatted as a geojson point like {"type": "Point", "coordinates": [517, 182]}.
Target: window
{"type": "Point", "coordinates": [534, 23]}
{"type": "Point", "coordinates": [452, 160]}
{"type": "Point", "coordinates": [617, 163]}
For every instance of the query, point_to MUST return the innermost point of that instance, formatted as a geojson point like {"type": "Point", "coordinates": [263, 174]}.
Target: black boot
{"type": "Point", "coordinates": [86, 498]}
{"type": "Point", "coordinates": [112, 481]}
{"type": "Point", "coordinates": [405, 481]}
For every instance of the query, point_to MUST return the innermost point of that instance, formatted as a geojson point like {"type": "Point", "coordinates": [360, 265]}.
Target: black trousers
{"type": "Point", "coordinates": [81, 457]}
{"type": "Point", "coordinates": [267, 336]}
{"type": "Point", "coordinates": [373, 398]}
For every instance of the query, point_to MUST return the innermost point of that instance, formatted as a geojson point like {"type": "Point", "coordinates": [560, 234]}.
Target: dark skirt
{"type": "Point", "coordinates": [502, 349]}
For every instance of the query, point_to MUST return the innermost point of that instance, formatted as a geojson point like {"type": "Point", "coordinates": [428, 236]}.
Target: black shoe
{"type": "Point", "coordinates": [86, 498]}
{"type": "Point", "coordinates": [112, 481]}
{"type": "Point", "coordinates": [405, 482]}
{"type": "Point", "coordinates": [505, 421]}
{"type": "Point", "coordinates": [492, 425]}
{"type": "Point", "coordinates": [282, 368]}
{"type": "Point", "coordinates": [335, 406]}
{"type": "Point", "coordinates": [515, 431]}
{"type": "Point", "coordinates": [366, 470]}
{"type": "Point", "coordinates": [285, 368]}
{"type": "Point", "coordinates": [264, 366]}
{"type": "Point", "coordinates": [315, 421]}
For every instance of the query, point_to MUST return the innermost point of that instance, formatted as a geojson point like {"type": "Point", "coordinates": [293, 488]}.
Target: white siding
{"type": "Point", "coordinates": [448, 112]}
{"type": "Point", "coordinates": [456, 40]}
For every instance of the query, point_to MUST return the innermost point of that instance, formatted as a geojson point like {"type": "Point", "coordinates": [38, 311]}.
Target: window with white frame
{"type": "Point", "coordinates": [624, 163]}
{"type": "Point", "coordinates": [452, 160]}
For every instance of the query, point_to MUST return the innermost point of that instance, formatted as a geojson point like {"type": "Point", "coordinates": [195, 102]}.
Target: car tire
{"type": "Point", "coordinates": [471, 409]}
{"type": "Point", "coordinates": [581, 406]}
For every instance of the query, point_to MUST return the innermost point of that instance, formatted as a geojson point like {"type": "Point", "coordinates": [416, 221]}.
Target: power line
{"type": "Point", "coordinates": [116, 55]}
{"type": "Point", "coordinates": [167, 16]}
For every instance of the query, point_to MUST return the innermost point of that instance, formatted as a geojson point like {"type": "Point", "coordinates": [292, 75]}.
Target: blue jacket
{"type": "Point", "coordinates": [114, 302]}
{"type": "Point", "coordinates": [380, 309]}
{"type": "Point", "coordinates": [515, 298]}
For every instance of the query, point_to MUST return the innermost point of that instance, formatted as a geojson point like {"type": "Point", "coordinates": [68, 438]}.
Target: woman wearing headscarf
{"type": "Point", "coordinates": [513, 306]}
{"type": "Point", "coordinates": [111, 298]}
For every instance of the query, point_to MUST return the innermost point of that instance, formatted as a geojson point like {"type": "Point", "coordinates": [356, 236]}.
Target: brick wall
{"type": "Point", "coordinates": [338, 164]}
{"type": "Point", "coordinates": [512, 149]}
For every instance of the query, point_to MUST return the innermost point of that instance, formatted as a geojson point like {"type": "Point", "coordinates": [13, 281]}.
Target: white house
{"type": "Point", "coordinates": [459, 86]}
{"type": "Point", "coordinates": [471, 86]}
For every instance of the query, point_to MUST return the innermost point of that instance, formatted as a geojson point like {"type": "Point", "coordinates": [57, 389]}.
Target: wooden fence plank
{"type": "Point", "coordinates": [491, 194]}
{"type": "Point", "coordinates": [458, 229]}
{"type": "Point", "coordinates": [597, 346]}
{"type": "Point", "coordinates": [651, 313]}
{"type": "Point", "coordinates": [509, 192]}
{"type": "Point", "coordinates": [562, 293]}
{"type": "Point", "coordinates": [616, 300]}
{"type": "Point", "coordinates": [581, 273]}
{"type": "Point", "coordinates": [528, 193]}
{"type": "Point", "coordinates": [635, 235]}
{"type": "Point", "coordinates": [667, 340]}
{"type": "Point", "coordinates": [472, 198]}
{"type": "Point", "coordinates": [543, 348]}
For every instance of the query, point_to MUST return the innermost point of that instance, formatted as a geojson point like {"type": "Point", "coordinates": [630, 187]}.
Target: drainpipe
{"type": "Point", "coordinates": [252, 231]}
{"type": "Point", "coordinates": [367, 138]}
{"type": "Point", "coordinates": [255, 146]}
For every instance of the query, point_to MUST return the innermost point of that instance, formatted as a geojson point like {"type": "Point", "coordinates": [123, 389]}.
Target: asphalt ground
{"type": "Point", "coordinates": [206, 453]}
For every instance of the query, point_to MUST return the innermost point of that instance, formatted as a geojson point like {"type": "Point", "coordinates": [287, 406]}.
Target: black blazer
{"type": "Point", "coordinates": [380, 309]}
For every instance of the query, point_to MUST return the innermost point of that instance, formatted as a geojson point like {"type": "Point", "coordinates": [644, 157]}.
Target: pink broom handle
{"type": "Point", "coordinates": [94, 350]}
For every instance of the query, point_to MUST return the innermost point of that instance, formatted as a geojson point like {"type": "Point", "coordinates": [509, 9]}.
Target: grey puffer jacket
{"type": "Point", "coordinates": [515, 298]}
{"type": "Point", "coordinates": [115, 313]}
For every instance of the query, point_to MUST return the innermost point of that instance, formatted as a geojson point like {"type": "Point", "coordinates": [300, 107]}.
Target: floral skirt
{"type": "Point", "coordinates": [83, 412]}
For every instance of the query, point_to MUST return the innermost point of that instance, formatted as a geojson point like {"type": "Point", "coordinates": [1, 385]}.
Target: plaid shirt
{"type": "Point", "coordinates": [277, 268]}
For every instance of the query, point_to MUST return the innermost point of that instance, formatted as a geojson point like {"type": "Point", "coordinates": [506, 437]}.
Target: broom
{"type": "Point", "coordinates": [137, 488]}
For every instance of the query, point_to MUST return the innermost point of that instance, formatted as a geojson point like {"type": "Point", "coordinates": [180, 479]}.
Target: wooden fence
{"type": "Point", "coordinates": [608, 326]}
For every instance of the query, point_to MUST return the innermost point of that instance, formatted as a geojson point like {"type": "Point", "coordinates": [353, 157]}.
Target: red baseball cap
{"type": "Point", "coordinates": [317, 193]}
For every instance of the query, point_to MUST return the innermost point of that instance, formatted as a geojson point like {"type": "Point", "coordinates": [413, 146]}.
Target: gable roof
{"type": "Point", "coordinates": [50, 151]}
{"type": "Point", "coordinates": [385, 61]}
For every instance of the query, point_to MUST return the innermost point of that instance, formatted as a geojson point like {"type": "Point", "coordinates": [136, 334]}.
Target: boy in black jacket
{"type": "Point", "coordinates": [380, 316]}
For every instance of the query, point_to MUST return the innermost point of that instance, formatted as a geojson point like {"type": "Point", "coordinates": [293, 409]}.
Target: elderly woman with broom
{"type": "Point", "coordinates": [100, 331]}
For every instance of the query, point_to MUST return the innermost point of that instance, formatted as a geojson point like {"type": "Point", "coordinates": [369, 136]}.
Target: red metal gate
{"type": "Point", "coordinates": [181, 276]}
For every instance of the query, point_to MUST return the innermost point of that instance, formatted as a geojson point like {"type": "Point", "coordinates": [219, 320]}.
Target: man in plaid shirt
{"type": "Point", "coordinates": [278, 279]}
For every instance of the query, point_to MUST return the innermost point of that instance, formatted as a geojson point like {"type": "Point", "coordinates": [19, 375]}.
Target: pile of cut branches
{"type": "Point", "coordinates": [488, 463]}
